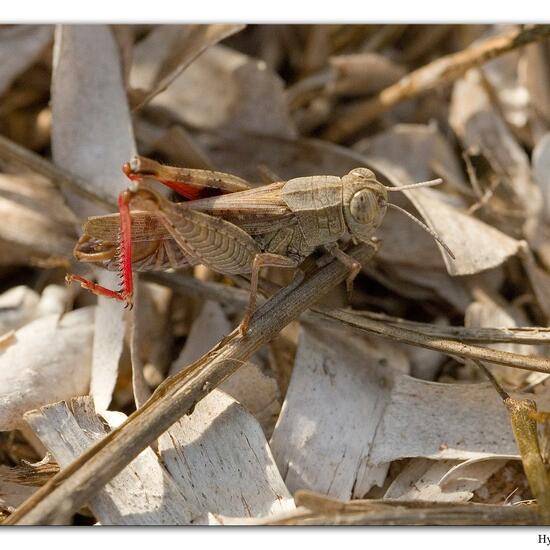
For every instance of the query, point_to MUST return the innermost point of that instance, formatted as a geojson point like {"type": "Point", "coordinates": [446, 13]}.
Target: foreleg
{"type": "Point", "coordinates": [353, 265]}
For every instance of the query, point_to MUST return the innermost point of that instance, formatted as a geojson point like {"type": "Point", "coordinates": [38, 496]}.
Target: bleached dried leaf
{"type": "Point", "coordinates": [250, 386]}
{"type": "Point", "coordinates": [540, 281]}
{"type": "Point", "coordinates": [467, 469]}
{"type": "Point", "coordinates": [327, 422]}
{"type": "Point", "coordinates": [541, 172]}
{"type": "Point", "coordinates": [167, 51]}
{"type": "Point", "coordinates": [20, 46]}
{"type": "Point", "coordinates": [150, 339]}
{"type": "Point", "coordinates": [480, 128]}
{"type": "Point", "coordinates": [19, 305]}
{"type": "Point", "coordinates": [49, 360]}
{"type": "Point", "coordinates": [424, 479]}
{"type": "Point", "coordinates": [242, 153]}
{"type": "Point", "coordinates": [476, 245]}
{"type": "Point", "coordinates": [20, 482]}
{"type": "Point", "coordinates": [92, 137]}
{"type": "Point", "coordinates": [490, 314]}
{"type": "Point", "coordinates": [208, 329]}
{"type": "Point", "coordinates": [54, 299]}
{"type": "Point", "coordinates": [141, 389]}
{"type": "Point", "coordinates": [91, 133]}
{"type": "Point", "coordinates": [257, 392]}
{"type": "Point", "coordinates": [35, 217]}
{"type": "Point", "coordinates": [513, 98]}
{"type": "Point", "coordinates": [142, 494]}
{"type": "Point", "coordinates": [425, 363]}
{"type": "Point", "coordinates": [420, 150]}
{"type": "Point", "coordinates": [363, 73]}
{"type": "Point", "coordinates": [13, 494]}
{"type": "Point", "coordinates": [225, 89]}
{"type": "Point", "coordinates": [222, 463]}
{"type": "Point", "coordinates": [347, 415]}
{"type": "Point", "coordinates": [535, 77]}
{"type": "Point", "coordinates": [451, 290]}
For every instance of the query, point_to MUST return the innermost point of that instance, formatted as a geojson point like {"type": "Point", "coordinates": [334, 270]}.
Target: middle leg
{"type": "Point", "coordinates": [264, 259]}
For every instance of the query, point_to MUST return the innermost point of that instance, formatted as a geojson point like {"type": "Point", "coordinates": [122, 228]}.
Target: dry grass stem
{"type": "Point", "coordinates": [437, 73]}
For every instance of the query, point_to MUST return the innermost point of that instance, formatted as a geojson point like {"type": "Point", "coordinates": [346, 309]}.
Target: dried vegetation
{"type": "Point", "coordinates": [423, 401]}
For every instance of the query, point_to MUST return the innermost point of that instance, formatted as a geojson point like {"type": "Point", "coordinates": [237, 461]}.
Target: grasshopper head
{"type": "Point", "coordinates": [364, 201]}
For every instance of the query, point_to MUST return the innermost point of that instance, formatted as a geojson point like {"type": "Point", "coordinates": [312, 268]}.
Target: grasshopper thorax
{"type": "Point", "coordinates": [364, 202]}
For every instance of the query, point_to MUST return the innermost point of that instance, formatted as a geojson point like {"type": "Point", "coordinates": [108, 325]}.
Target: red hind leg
{"type": "Point", "coordinates": [141, 167]}
{"type": "Point", "coordinates": [125, 258]}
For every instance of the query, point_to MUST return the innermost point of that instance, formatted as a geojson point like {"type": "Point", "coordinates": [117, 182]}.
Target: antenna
{"type": "Point", "coordinates": [423, 226]}
{"type": "Point", "coordinates": [430, 183]}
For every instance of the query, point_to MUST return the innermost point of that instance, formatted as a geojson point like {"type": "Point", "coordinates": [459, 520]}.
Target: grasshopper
{"type": "Point", "coordinates": [233, 228]}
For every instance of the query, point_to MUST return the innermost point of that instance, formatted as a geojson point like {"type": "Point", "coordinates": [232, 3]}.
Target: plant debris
{"type": "Point", "coordinates": [422, 398]}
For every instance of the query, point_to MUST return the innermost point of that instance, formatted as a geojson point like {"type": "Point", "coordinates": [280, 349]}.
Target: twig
{"type": "Point", "coordinates": [499, 389]}
{"type": "Point", "coordinates": [450, 347]}
{"type": "Point", "coordinates": [386, 512]}
{"type": "Point", "coordinates": [174, 398]}
{"type": "Point", "coordinates": [12, 153]}
{"type": "Point", "coordinates": [487, 335]}
{"type": "Point", "coordinates": [524, 425]}
{"type": "Point", "coordinates": [433, 75]}
{"type": "Point", "coordinates": [416, 334]}
{"type": "Point", "coordinates": [228, 295]}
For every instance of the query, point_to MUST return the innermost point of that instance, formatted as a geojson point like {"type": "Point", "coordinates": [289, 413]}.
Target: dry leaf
{"type": "Point", "coordinates": [50, 360]}
{"type": "Point", "coordinates": [17, 307]}
{"type": "Point", "coordinates": [420, 150]}
{"type": "Point", "coordinates": [345, 418]}
{"type": "Point", "coordinates": [438, 281]}
{"type": "Point", "coordinates": [150, 339]}
{"type": "Point", "coordinates": [12, 494]}
{"type": "Point", "coordinates": [225, 89]}
{"type": "Point", "coordinates": [534, 74]}
{"type": "Point", "coordinates": [167, 51]}
{"type": "Point", "coordinates": [35, 217]}
{"type": "Point", "coordinates": [325, 428]}
{"type": "Point", "coordinates": [142, 494]}
{"type": "Point", "coordinates": [92, 137]}
{"type": "Point", "coordinates": [250, 386]}
{"type": "Point", "coordinates": [222, 463]}
{"type": "Point", "coordinates": [488, 313]}
{"type": "Point", "coordinates": [481, 129]}
{"type": "Point", "coordinates": [363, 73]}
{"type": "Point", "coordinates": [20, 46]}
{"type": "Point", "coordinates": [424, 479]}
{"type": "Point", "coordinates": [20, 305]}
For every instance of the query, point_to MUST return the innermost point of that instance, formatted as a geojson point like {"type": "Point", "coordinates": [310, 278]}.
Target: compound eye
{"type": "Point", "coordinates": [364, 206]}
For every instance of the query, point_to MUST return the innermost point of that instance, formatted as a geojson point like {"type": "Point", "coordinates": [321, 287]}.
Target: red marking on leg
{"type": "Point", "coordinates": [183, 189]}
{"type": "Point", "coordinates": [126, 245]}
{"type": "Point", "coordinates": [95, 288]}
{"type": "Point", "coordinates": [125, 258]}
